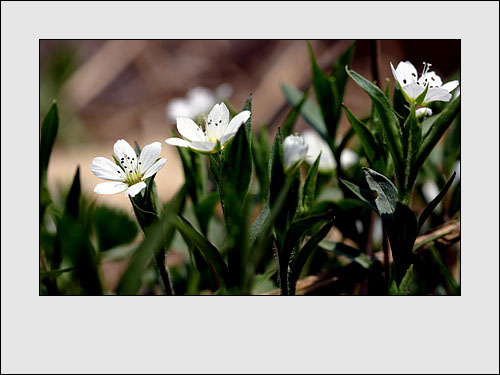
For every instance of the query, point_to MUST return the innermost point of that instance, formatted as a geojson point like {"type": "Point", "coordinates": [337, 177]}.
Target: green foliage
{"type": "Point", "coordinates": [432, 204]}
{"type": "Point", "coordinates": [113, 227]}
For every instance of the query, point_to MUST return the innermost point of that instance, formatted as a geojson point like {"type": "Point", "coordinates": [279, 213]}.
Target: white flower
{"type": "Point", "coordinates": [406, 75]}
{"type": "Point", "coordinates": [218, 130]}
{"type": "Point", "coordinates": [130, 173]}
{"type": "Point", "coordinates": [327, 163]}
{"type": "Point", "coordinates": [198, 100]}
{"type": "Point", "coordinates": [430, 190]}
{"type": "Point", "coordinates": [316, 144]}
{"type": "Point", "coordinates": [294, 152]}
{"type": "Point", "coordinates": [423, 112]}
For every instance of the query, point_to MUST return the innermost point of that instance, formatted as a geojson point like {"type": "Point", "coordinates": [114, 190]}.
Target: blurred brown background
{"type": "Point", "coordinates": [113, 89]}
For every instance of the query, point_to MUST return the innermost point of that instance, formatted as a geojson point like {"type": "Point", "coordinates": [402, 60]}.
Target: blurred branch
{"type": "Point", "coordinates": [101, 69]}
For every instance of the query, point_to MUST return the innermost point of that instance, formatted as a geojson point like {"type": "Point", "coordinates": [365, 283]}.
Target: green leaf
{"type": "Point", "coordinates": [204, 210]}
{"type": "Point", "coordinates": [71, 213]}
{"type": "Point", "coordinates": [194, 178]}
{"type": "Point", "coordinates": [326, 95]}
{"type": "Point", "coordinates": [389, 121]}
{"type": "Point", "coordinates": [432, 204]}
{"type": "Point", "coordinates": [412, 138]}
{"type": "Point", "coordinates": [209, 252]}
{"type": "Point", "coordinates": [399, 103]}
{"type": "Point", "coordinates": [402, 232]}
{"type": "Point", "coordinates": [236, 169]}
{"type": "Point", "coordinates": [260, 156]}
{"type": "Point", "coordinates": [309, 110]}
{"type": "Point", "coordinates": [55, 273]}
{"type": "Point", "coordinates": [369, 143]}
{"type": "Point", "coordinates": [300, 226]}
{"type": "Point", "coordinates": [437, 128]}
{"type": "Point", "coordinates": [291, 118]}
{"type": "Point", "coordinates": [50, 125]}
{"type": "Point", "coordinates": [363, 194]}
{"type": "Point", "coordinates": [308, 191]}
{"type": "Point", "coordinates": [248, 125]}
{"type": "Point", "coordinates": [73, 198]}
{"type": "Point", "coordinates": [386, 192]}
{"type": "Point", "coordinates": [158, 236]}
{"type": "Point", "coordinates": [113, 227]}
{"type": "Point", "coordinates": [421, 97]}
{"type": "Point", "coordinates": [297, 264]}
{"type": "Point", "coordinates": [347, 251]}
{"type": "Point", "coordinates": [339, 73]}
{"type": "Point", "coordinates": [404, 287]}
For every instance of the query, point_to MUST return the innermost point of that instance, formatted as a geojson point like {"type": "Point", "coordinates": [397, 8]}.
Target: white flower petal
{"type": "Point", "coordinates": [348, 158]}
{"type": "Point", "coordinates": [106, 169]}
{"type": "Point", "coordinates": [294, 151]}
{"type": "Point", "coordinates": [450, 86]}
{"type": "Point", "coordinates": [149, 155]}
{"type": "Point", "coordinates": [227, 137]}
{"type": "Point", "coordinates": [189, 130]}
{"type": "Point", "coordinates": [110, 187]}
{"type": "Point", "coordinates": [154, 168]}
{"type": "Point", "coordinates": [316, 144]}
{"type": "Point", "coordinates": [413, 90]}
{"type": "Point", "coordinates": [236, 122]}
{"type": "Point", "coordinates": [406, 73]}
{"type": "Point", "coordinates": [177, 142]}
{"type": "Point", "coordinates": [135, 189]}
{"type": "Point", "coordinates": [437, 94]}
{"type": "Point", "coordinates": [204, 147]}
{"type": "Point", "coordinates": [125, 154]}
{"type": "Point", "coordinates": [217, 121]}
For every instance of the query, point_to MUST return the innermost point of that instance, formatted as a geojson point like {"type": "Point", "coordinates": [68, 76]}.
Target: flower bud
{"type": "Point", "coordinates": [423, 112]}
{"type": "Point", "coordinates": [294, 152]}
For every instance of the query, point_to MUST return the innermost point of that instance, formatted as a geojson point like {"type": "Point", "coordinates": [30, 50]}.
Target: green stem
{"type": "Point", "coordinates": [146, 214]}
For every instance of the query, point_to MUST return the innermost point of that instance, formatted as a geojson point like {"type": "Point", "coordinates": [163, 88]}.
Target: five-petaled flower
{"type": "Point", "coordinates": [218, 130]}
{"type": "Point", "coordinates": [294, 152]}
{"type": "Point", "coordinates": [130, 172]}
{"type": "Point", "coordinates": [406, 75]}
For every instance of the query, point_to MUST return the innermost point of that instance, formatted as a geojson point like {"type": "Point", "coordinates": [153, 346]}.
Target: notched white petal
{"type": "Point", "coordinates": [110, 187]}
{"type": "Point", "coordinates": [437, 94]}
{"type": "Point", "coordinates": [177, 142]}
{"type": "Point", "coordinates": [106, 169]}
{"type": "Point", "coordinates": [122, 149]}
{"type": "Point", "coordinates": [154, 168]}
{"type": "Point", "coordinates": [450, 86]}
{"type": "Point", "coordinates": [189, 130]}
{"type": "Point", "coordinates": [149, 155]}
{"type": "Point", "coordinates": [135, 189]}
{"type": "Point", "coordinates": [237, 121]}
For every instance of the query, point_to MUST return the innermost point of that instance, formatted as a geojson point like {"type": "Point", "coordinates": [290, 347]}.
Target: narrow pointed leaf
{"type": "Point", "coordinates": [339, 73]}
{"type": "Point", "coordinates": [389, 120]}
{"type": "Point", "coordinates": [437, 128]}
{"type": "Point", "coordinates": [363, 194]}
{"type": "Point", "coordinates": [309, 110]}
{"type": "Point", "coordinates": [412, 138]}
{"type": "Point", "coordinates": [308, 192]}
{"type": "Point", "coordinates": [326, 95]}
{"type": "Point", "coordinates": [370, 145]}
{"type": "Point", "coordinates": [159, 236]}
{"type": "Point", "coordinates": [293, 115]}
{"type": "Point", "coordinates": [303, 255]}
{"type": "Point", "coordinates": [205, 247]}
{"type": "Point", "coordinates": [432, 204]}
{"type": "Point", "coordinates": [50, 126]}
